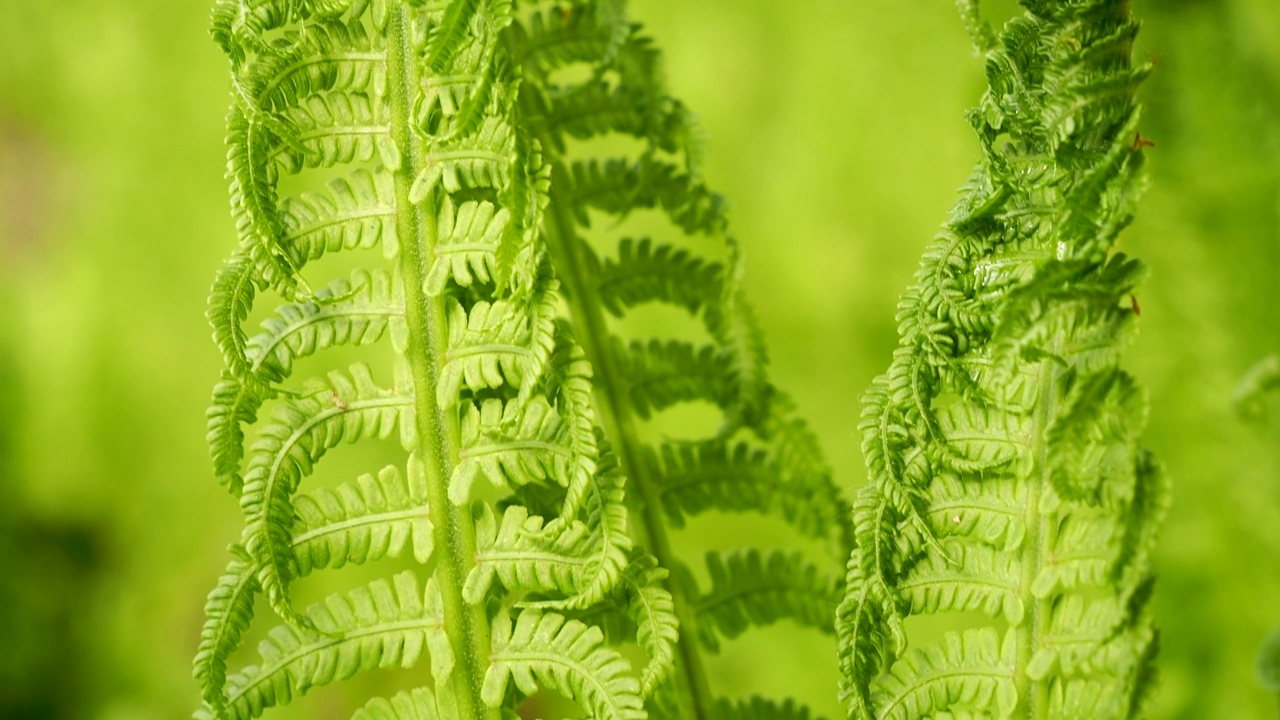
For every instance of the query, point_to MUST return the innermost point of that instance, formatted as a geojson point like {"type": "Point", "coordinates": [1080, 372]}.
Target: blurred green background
{"type": "Point", "coordinates": [836, 129]}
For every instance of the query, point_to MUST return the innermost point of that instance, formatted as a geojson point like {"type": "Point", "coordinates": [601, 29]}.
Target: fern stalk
{"type": "Point", "coordinates": [437, 431]}
{"type": "Point", "coordinates": [762, 453]}
{"type": "Point", "coordinates": [695, 700]}
{"type": "Point", "coordinates": [1006, 475]}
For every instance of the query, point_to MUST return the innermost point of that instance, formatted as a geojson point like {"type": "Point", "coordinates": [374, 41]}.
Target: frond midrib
{"type": "Point", "coordinates": [466, 626]}
{"type": "Point", "coordinates": [619, 419]}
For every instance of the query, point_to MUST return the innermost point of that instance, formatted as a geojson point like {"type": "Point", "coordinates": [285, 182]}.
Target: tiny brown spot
{"type": "Point", "coordinates": [1140, 142]}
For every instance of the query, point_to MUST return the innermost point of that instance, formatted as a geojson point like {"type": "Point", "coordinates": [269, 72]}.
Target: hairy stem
{"type": "Point", "coordinates": [437, 427]}
{"type": "Point", "coordinates": [619, 421]}
{"type": "Point", "coordinates": [1033, 695]}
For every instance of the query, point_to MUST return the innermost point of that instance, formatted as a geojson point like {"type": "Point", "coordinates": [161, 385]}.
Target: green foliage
{"type": "Point", "coordinates": [761, 459]}
{"type": "Point", "coordinates": [1006, 478]}
{"type": "Point", "coordinates": [443, 136]}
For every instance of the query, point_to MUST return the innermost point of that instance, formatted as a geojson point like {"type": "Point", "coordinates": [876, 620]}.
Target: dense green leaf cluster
{"type": "Point", "coordinates": [587, 84]}
{"type": "Point", "coordinates": [435, 139]}
{"type": "Point", "coordinates": [1006, 476]}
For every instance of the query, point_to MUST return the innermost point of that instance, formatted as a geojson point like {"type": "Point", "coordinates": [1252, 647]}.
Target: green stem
{"type": "Point", "coordinates": [1033, 698]}
{"type": "Point", "coordinates": [437, 426]}
{"type": "Point", "coordinates": [619, 420]}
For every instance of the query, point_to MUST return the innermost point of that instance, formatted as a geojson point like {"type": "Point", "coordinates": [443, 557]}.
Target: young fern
{"type": "Point", "coordinates": [761, 458]}
{"type": "Point", "coordinates": [444, 139]}
{"type": "Point", "coordinates": [1006, 476]}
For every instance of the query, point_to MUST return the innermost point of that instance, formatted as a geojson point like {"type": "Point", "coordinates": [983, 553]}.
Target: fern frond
{"type": "Point", "coordinates": [445, 135]}
{"type": "Point", "coordinates": [416, 704]}
{"type": "Point", "coordinates": [543, 650]}
{"type": "Point", "coordinates": [644, 273]}
{"type": "Point", "coordinates": [337, 128]}
{"type": "Point", "coordinates": [346, 407]}
{"type": "Point", "coordinates": [372, 518]}
{"type": "Point", "coordinates": [352, 312]}
{"type": "Point", "coordinates": [479, 160]}
{"type": "Point", "coordinates": [555, 38]}
{"type": "Point", "coordinates": [578, 561]}
{"type": "Point", "coordinates": [652, 609]}
{"type": "Point", "coordinates": [328, 56]}
{"type": "Point", "coordinates": [1002, 442]}
{"type": "Point", "coordinates": [353, 212]}
{"type": "Point", "coordinates": [973, 578]}
{"type": "Point", "coordinates": [469, 238]}
{"type": "Point", "coordinates": [625, 93]}
{"type": "Point", "coordinates": [512, 444]}
{"type": "Point", "coordinates": [490, 346]}
{"type": "Point", "coordinates": [619, 186]}
{"type": "Point", "coordinates": [358, 522]}
{"type": "Point", "coordinates": [235, 404]}
{"type": "Point", "coordinates": [748, 589]}
{"type": "Point", "coordinates": [228, 612]}
{"type": "Point", "coordinates": [663, 374]}
{"type": "Point", "coordinates": [739, 478]}
{"type": "Point", "coordinates": [355, 312]}
{"type": "Point", "coordinates": [230, 302]}
{"type": "Point", "coordinates": [969, 674]}
{"type": "Point", "coordinates": [758, 708]}
{"type": "Point", "coordinates": [369, 628]}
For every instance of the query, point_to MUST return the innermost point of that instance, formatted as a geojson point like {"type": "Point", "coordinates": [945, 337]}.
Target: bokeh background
{"type": "Point", "coordinates": [835, 128]}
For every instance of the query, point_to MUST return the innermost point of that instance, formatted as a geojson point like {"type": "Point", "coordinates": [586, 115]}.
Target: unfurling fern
{"type": "Point", "coordinates": [1006, 476]}
{"type": "Point", "coordinates": [444, 143]}
{"type": "Point", "coordinates": [761, 458]}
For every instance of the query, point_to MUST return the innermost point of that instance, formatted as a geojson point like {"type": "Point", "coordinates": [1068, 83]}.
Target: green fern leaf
{"type": "Point", "coordinates": [345, 407]}
{"type": "Point", "coordinates": [446, 137]}
{"type": "Point", "coordinates": [619, 186]}
{"type": "Point", "coordinates": [970, 673]}
{"type": "Point", "coordinates": [230, 302]}
{"type": "Point", "coordinates": [373, 627]}
{"type": "Point", "coordinates": [758, 708]}
{"type": "Point", "coordinates": [337, 128]}
{"type": "Point", "coordinates": [739, 478]}
{"type": "Point", "coordinates": [556, 38]}
{"type": "Point", "coordinates": [352, 312]}
{"type": "Point", "coordinates": [416, 704]}
{"type": "Point", "coordinates": [644, 273]}
{"type": "Point", "coordinates": [328, 56]}
{"type": "Point", "coordinates": [578, 561]}
{"type": "Point", "coordinates": [749, 589]}
{"type": "Point", "coordinates": [543, 650]}
{"type": "Point", "coordinates": [513, 444]}
{"type": "Point", "coordinates": [974, 578]}
{"type": "Point", "coordinates": [470, 235]}
{"type": "Point", "coordinates": [355, 312]}
{"type": "Point", "coordinates": [652, 609]}
{"type": "Point", "coordinates": [480, 160]}
{"type": "Point", "coordinates": [663, 374]}
{"type": "Point", "coordinates": [358, 522]}
{"type": "Point", "coordinates": [1002, 442]}
{"type": "Point", "coordinates": [489, 346]}
{"type": "Point", "coordinates": [354, 212]}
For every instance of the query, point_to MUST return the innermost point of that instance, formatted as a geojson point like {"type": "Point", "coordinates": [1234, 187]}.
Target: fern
{"type": "Point", "coordinates": [432, 143]}
{"type": "Point", "coordinates": [1006, 476]}
{"type": "Point", "coordinates": [761, 459]}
